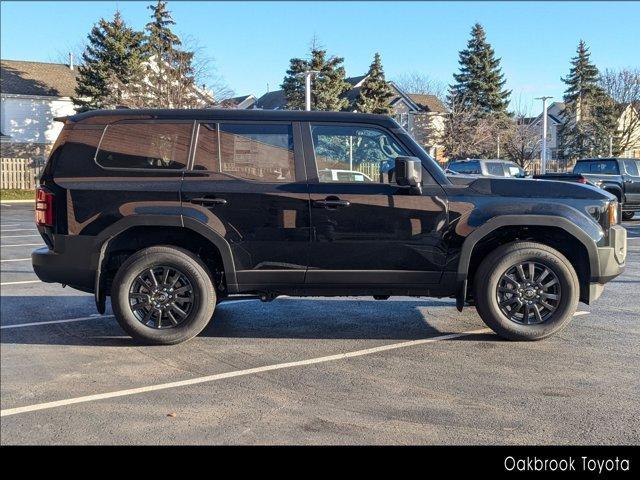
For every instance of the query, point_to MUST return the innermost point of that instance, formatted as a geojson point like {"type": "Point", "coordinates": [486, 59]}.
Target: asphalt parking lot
{"type": "Point", "coordinates": [311, 371]}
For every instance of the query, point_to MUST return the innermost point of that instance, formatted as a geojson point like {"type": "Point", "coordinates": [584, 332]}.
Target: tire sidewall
{"type": "Point", "coordinates": [486, 287]}
{"type": "Point", "coordinates": [195, 271]}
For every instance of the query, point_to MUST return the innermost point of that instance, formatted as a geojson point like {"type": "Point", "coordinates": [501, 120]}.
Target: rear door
{"type": "Point", "coordinates": [367, 230]}
{"type": "Point", "coordinates": [247, 183]}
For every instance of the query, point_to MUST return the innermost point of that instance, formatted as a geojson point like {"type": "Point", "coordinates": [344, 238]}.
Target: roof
{"type": "Point", "coordinates": [235, 114]}
{"type": "Point", "coordinates": [355, 80]}
{"type": "Point", "coordinates": [272, 100]}
{"type": "Point", "coordinates": [243, 101]}
{"type": "Point", "coordinates": [240, 99]}
{"type": "Point", "coordinates": [37, 78]}
{"type": "Point", "coordinates": [428, 102]}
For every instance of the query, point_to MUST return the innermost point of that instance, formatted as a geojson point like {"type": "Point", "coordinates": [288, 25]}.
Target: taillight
{"type": "Point", "coordinates": [44, 208]}
{"type": "Point", "coordinates": [582, 180]}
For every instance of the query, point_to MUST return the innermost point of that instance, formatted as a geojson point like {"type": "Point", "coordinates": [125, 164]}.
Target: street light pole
{"type": "Point", "coordinates": [307, 87]}
{"type": "Point", "coordinates": [543, 153]}
{"type": "Point", "coordinates": [611, 145]}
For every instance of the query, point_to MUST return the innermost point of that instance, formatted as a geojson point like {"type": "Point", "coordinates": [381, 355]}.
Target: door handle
{"type": "Point", "coordinates": [208, 201]}
{"type": "Point", "coordinates": [331, 203]}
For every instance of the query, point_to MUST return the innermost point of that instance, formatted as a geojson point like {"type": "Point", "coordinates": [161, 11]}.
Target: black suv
{"type": "Point", "coordinates": [169, 212]}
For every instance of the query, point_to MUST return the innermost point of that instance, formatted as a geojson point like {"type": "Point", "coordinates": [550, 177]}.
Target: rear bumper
{"type": "Point", "coordinates": [71, 263]}
{"type": "Point", "coordinates": [611, 260]}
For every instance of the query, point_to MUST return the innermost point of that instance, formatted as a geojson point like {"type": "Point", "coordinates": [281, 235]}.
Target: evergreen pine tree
{"type": "Point", "coordinates": [170, 72]}
{"type": "Point", "coordinates": [375, 94]}
{"type": "Point", "coordinates": [112, 65]}
{"type": "Point", "coordinates": [327, 89]}
{"type": "Point", "coordinates": [480, 83]}
{"type": "Point", "coordinates": [590, 117]}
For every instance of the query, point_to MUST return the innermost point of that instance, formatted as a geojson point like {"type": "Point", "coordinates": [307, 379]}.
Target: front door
{"type": "Point", "coordinates": [631, 180]}
{"type": "Point", "coordinates": [247, 184]}
{"type": "Point", "coordinates": [367, 230]}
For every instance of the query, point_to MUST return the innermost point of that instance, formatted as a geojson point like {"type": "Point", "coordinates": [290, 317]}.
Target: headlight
{"type": "Point", "coordinates": [613, 213]}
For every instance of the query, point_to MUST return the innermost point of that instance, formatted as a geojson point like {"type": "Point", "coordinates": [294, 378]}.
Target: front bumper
{"type": "Point", "coordinates": [611, 261]}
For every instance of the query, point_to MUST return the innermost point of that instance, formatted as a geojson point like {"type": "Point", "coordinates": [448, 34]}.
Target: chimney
{"type": "Point", "coordinates": [70, 60]}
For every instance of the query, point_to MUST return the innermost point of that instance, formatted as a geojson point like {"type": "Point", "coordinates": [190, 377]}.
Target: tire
{"type": "Point", "coordinates": [192, 282]}
{"type": "Point", "coordinates": [628, 215]}
{"type": "Point", "coordinates": [501, 263]}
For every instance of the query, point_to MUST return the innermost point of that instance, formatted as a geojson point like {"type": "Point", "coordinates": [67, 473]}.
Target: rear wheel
{"type": "Point", "coordinates": [628, 215]}
{"type": "Point", "coordinates": [526, 291]}
{"type": "Point", "coordinates": [163, 295]}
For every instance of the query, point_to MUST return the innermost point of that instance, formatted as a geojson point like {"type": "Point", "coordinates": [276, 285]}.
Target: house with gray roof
{"type": "Point", "coordinates": [32, 94]}
{"type": "Point", "coordinates": [423, 116]}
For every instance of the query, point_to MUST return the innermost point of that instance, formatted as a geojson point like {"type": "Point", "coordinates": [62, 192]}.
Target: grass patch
{"type": "Point", "coordinates": [15, 194]}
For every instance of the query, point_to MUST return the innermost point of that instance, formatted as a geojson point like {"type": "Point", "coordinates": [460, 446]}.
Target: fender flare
{"type": "Point", "coordinates": [518, 220]}
{"type": "Point", "coordinates": [104, 239]}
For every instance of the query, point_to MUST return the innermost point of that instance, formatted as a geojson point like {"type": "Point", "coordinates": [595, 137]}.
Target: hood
{"type": "Point", "coordinates": [515, 187]}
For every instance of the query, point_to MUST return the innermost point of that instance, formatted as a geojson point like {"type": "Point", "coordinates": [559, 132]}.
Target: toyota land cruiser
{"type": "Point", "coordinates": [169, 212]}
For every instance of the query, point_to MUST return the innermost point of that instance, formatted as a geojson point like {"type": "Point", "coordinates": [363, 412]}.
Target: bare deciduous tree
{"type": "Point", "coordinates": [521, 141]}
{"type": "Point", "coordinates": [520, 137]}
{"type": "Point", "coordinates": [468, 134]}
{"type": "Point", "coordinates": [623, 86]}
{"type": "Point", "coordinates": [415, 82]}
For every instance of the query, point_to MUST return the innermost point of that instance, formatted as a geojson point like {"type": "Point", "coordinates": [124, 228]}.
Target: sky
{"type": "Point", "coordinates": [251, 43]}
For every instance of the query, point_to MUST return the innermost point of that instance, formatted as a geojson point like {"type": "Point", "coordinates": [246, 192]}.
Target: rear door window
{"type": "Point", "coordinates": [162, 146]}
{"type": "Point", "coordinates": [258, 152]}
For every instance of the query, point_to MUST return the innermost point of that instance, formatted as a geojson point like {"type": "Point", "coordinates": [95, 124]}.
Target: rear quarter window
{"type": "Point", "coordinates": [76, 151]}
{"type": "Point", "coordinates": [159, 146]}
{"type": "Point", "coordinates": [465, 167]}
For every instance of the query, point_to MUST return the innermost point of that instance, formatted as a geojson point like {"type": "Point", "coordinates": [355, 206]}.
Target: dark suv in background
{"type": "Point", "coordinates": [169, 212]}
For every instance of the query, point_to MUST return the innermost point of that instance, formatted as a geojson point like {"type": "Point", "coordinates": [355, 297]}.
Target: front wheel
{"type": "Point", "coordinates": [526, 291]}
{"type": "Point", "coordinates": [628, 215]}
{"type": "Point", "coordinates": [163, 295]}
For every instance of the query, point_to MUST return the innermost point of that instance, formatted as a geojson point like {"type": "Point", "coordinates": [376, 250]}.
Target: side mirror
{"type": "Point", "coordinates": [408, 172]}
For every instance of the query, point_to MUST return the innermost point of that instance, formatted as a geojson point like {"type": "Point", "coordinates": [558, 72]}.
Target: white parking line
{"type": "Point", "coordinates": [15, 260]}
{"type": "Point", "coordinates": [23, 245]}
{"type": "Point", "coordinates": [580, 312]}
{"type": "Point", "coordinates": [21, 236]}
{"type": "Point", "coordinates": [20, 283]}
{"type": "Point", "coordinates": [96, 316]}
{"type": "Point", "coordinates": [237, 373]}
{"type": "Point", "coordinates": [19, 230]}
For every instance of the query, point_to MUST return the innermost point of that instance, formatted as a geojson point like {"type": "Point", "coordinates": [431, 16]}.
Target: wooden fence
{"type": "Point", "coordinates": [19, 173]}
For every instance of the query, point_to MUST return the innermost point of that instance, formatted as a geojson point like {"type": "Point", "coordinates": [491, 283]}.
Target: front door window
{"type": "Point", "coordinates": [351, 154]}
